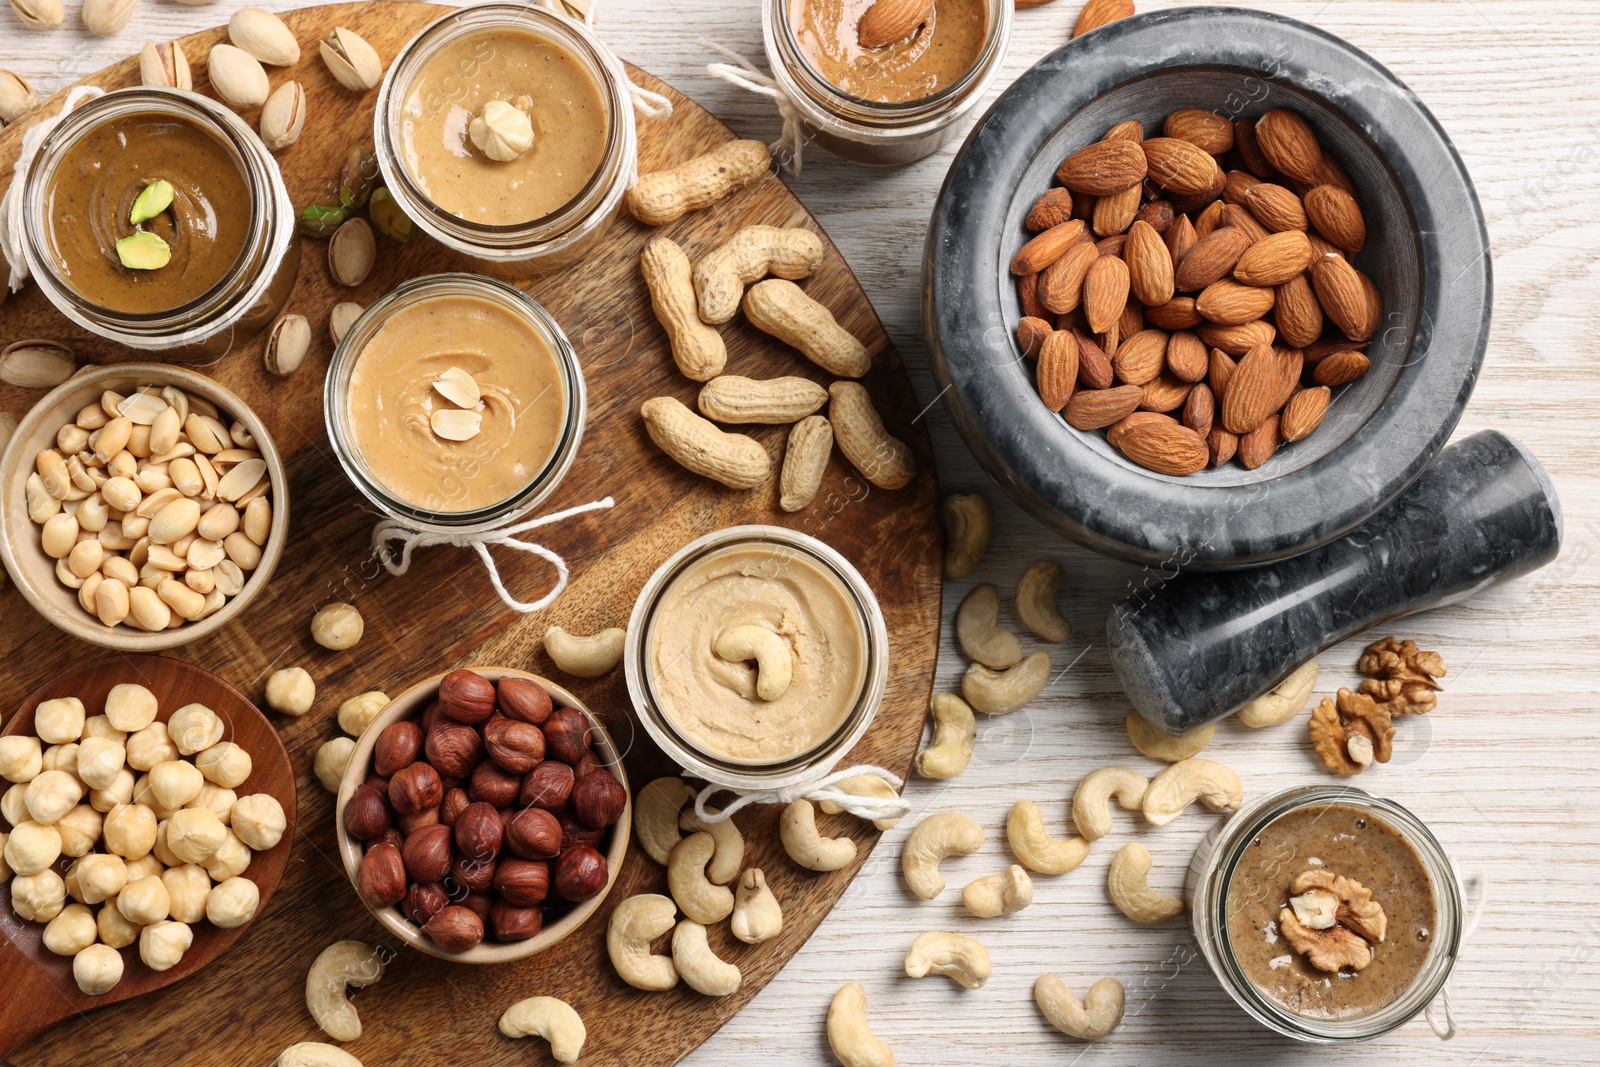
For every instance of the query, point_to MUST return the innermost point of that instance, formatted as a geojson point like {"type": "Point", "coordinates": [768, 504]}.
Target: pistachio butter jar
{"type": "Point", "coordinates": [229, 229]}
{"type": "Point", "coordinates": [546, 206]}
{"type": "Point", "coordinates": [709, 713]}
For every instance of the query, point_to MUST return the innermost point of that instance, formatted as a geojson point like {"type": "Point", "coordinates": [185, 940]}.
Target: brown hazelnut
{"type": "Point", "coordinates": [423, 902]}
{"type": "Point", "coordinates": [431, 716]}
{"type": "Point", "coordinates": [415, 788]}
{"type": "Point", "coordinates": [566, 735]}
{"type": "Point", "coordinates": [495, 785]}
{"type": "Point", "coordinates": [511, 923]}
{"type": "Point", "coordinates": [399, 745]}
{"type": "Point", "coordinates": [516, 746]}
{"type": "Point", "coordinates": [524, 699]}
{"type": "Point", "coordinates": [410, 824]}
{"type": "Point", "coordinates": [467, 696]}
{"type": "Point", "coordinates": [580, 873]}
{"type": "Point", "coordinates": [575, 832]}
{"type": "Point", "coordinates": [524, 883]}
{"type": "Point", "coordinates": [454, 748]}
{"type": "Point", "coordinates": [427, 854]}
{"type": "Point", "coordinates": [454, 928]}
{"type": "Point", "coordinates": [454, 802]}
{"type": "Point", "coordinates": [393, 837]}
{"type": "Point", "coordinates": [379, 782]}
{"type": "Point", "coordinates": [598, 799]}
{"type": "Point", "coordinates": [479, 832]}
{"type": "Point", "coordinates": [366, 814]}
{"type": "Point", "coordinates": [479, 902]}
{"type": "Point", "coordinates": [534, 834]}
{"type": "Point", "coordinates": [547, 786]}
{"type": "Point", "coordinates": [382, 877]}
{"type": "Point", "coordinates": [469, 875]}
{"type": "Point", "coordinates": [590, 763]}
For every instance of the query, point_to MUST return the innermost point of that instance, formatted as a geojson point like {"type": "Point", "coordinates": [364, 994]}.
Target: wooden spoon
{"type": "Point", "coordinates": [40, 990]}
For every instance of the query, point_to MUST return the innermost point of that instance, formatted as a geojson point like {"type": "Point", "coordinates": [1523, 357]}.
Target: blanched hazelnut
{"type": "Point", "coordinates": [59, 721]}
{"type": "Point", "coordinates": [21, 758]}
{"type": "Point", "coordinates": [74, 890]}
{"type": "Point", "coordinates": [259, 821]}
{"type": "Point", "coordinates": [101, 877]}
{"type": "Point", "coordinates": [150, 746]}
{"type": "Point", "coordinates": [61, 758]}
{"type": "Point", "coordinates": [114, 930]}
{"type": "Point", "coordinates": [415, 788]}
{"type": "Point", "coordinates": [100, 760]}
{"type": "Point", "coordinates": [291, 691]}
{"type": "Point", "coordinates": [70, 932]}
{"type": "Point", "coordinates": [194, 728]}
{"type": "Point", "coordinates": [175, 782]}
{"type": "Point", "coordinates": [51, 795]}
{"type": "Point", "coordinates": [130, 830]}
{"type": "Point", "coordinates": [97, 969]}
{"type": "Point", "coordinates": [226, 764]}
{"type": "Point", "coordinates": [79, 829]}
{"type": "Point", "coordinates": [131, 707]}
{"type": "Point", "coordinates": [426, 854]}
{"type": "Point", "coordinates": [523, 699]}
{"type": "Point", "coordinates": [144, 901]}
{"type": "Point", "coordinates": [566, 735]}
{"type": "Point", "coordinates": [454, 928]}
{"type": "Point", "coordinates": [332, 759]}
{"type": "Point", "coordinates": [120, 791]}
{"type": "Point", "coordinates": [101, 726]}
{"type": "Point", "coordinates": [357, 713]}
{"type": "Point", "coordinates": [232, 903]}
{"type": "Point", "coordinates": [454, 748]}
{"type": "Point", "coordinates": [187, 887]}
{"type": "Point", "coordinates": [14, 804]}
{"type": "Point", "coordinates": [5, 868]}
{"type": "Point", "coordinates": [144, 867]}
{"type": "Point", "coordinates": [337, 626]}
{"type": "Point", "coordinates": [580, 873]}
{"type": "Point", "coordinates": [162, 851]}
{"type": "Point", "coordinates": [195, 834]}
{"type": "Point", "coordinates": [217, 799]}
{"type": "Point", "coordinates": [38, 897]}
{"type": "Point", "coordinates": [32, 847]}
{"type": "Point", "coordinates": [399, 745]}
{"type": "Point", "coordinates": [162, 944]}
{"type": "Point", "coordinates": [230, 860]}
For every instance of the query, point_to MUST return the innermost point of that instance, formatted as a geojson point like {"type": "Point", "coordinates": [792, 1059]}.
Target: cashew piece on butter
{"type": "Point", "coordinates": [1187, 781]}
{"type": "Point", "coordinates": [316, 1054]}
{"type": "Point", "coordinates": [955, 731]}
{"type": "Point", "coordinates": [701, 899]}
{"type": "Point", "coordinates": [1098, 1015]}
{"type": "Point", "coordinates": [1131, 891]}
{"type": "Point", "coordinates": [1091, 804]}
{"type": "Point", "coordinates": [728, 856]}
{"type": "Point", "coordinates": [1166, 747]}
{"type": "Point", "coordinates": [1037, 850]}
{"type": "Point", "coordinates": [1283, 701]}
{"type": "Point", "coordinates": [999, 894]}
{"type": "Point", "coordinates": [863, 785]}
{"type": "Point", "coordinates": [1036, 602]}
{"type": "Point", "coordinates": [549, 1018]}
{"type": "Point", "coordinates": [635, 923]}
{"type": "Point", "coordinates": [341, 964]}
{"type": "Point", "coordinates": [774, 661]}
{"type": "Point", "coordinates": [757, 915]}
{"type": "Point", "coordinates": [655, 816]}
{"type": "Point", "coordinates": [968, 526]}
{"type": "Point", "coordinates": [949, 833]}
{"type": "Point", "coordinates": [958, 958]}
{"type": "Point", "coordinates": [701, 969]}
{"type": "Point", "coordinates": [1002, 692]}
{"type": "Point", "coordinates": [584, 657]}
{"type": "Point", "coordinates": [978, 632]}
{"type": "Point", "coordinates": [805, 844]}
{"type": "Point", "coordinates": [849, 1036]}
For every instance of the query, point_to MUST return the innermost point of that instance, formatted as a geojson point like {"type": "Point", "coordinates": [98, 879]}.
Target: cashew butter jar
{"type": "Point", "coordinates": [506, 132]}
{"type": "Point", "coordinates": [893, 102]}
{"type": "Point", "coordinates": [756, 657]}
{"type": "Point", "coordinates": [1329, 915]}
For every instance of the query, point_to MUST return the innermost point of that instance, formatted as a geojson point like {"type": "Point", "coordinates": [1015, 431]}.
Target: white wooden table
{"type": "Point", "coordinates": [1505, 771]}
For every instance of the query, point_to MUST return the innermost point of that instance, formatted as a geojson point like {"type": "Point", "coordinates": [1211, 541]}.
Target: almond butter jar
{"type": "Point", "coordinates": [227, 251]}
{"type": "Point", "coordinates": [715, 713]}
{"type": "Point", "coordinates": [537, 197]}
{"type": "Point", "coordinates": [888, 105]}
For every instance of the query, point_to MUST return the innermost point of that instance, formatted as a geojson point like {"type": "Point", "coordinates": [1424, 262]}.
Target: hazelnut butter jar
{"type": "Point", "coordinates": [892, 103]}
{"type": "Point", "coordinates": [756, 657]}
{"type": "Point", "coordinates": [1328, 914]}
{"type": "Point", "coordinates": [507, 133]}
{"type": "Point", "coordinates": [156, 219]}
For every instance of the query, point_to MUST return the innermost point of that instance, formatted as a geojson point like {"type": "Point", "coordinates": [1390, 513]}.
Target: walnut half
{"type": "Point", "coordinates": [1332, 921]}
{"type": "Point", "coordinates": [1405, 677]}
{"type": "Point", "coordinates": [1350, 731]}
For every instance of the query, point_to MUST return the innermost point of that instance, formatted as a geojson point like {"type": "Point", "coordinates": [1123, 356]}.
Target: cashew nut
{"type": "Point", "coordinates": [774, 660]}
{"type": "Point", "coordinates": [1187, 781]}
{"type": "Point", "coordinates": [958, 958]}
{"type": "Point", "coordinates": [806, 845]}
{"type": "Point", "coordinates": [968, 525]}
{"type": "Point", "coordinates": [955, 730]}
{"type": "Point", "coordinates": [701, 899]}
{"type": "Point", "coordinates": [849, 1036]}
{"type": "Point", "coordinates": [316, 1054]}
{"type": "Point", "coordinates": [655, 816]}
{"type": "Point", "coordinates": [549, 1018]}
{"type": "Point", "coordinates": [701, 969]}
{"type": "Point", "coordinates": [1165, 747]}
{"type": "Point", "coordinates": [1002, 692]}
{"type": "Point", "coordinates": [341, 964]}
{"type": "Point", "coordinates": [1036, 602]}
{"type": "Point", "coordinates": [1131, 892]}
{"type": "Point", "coordinates": [1035, 847]}
{"type": "Point", "coordinates": [949, 833]}
{"type": "Point", "coordinates": [728, 856]}
{"type": "Point", "coordinates": [1283, 701]}
{"type": "Point", "coordinates": [635, 923]}
{"type": "Point", "coordinates": [1091, 804]}
{"type": "Point", "coordinates": [584, 657]}
{"type": "Point", "coordinates": [757, 916]}
{"type": "Point", "coordinates": [979, 634]}
{"type": "Point", "coordinates": [863, 785]}
{"type": "Point", "coordinates": [1098, 1015]}
{"type": "Point", "coordinates": [999, 894]}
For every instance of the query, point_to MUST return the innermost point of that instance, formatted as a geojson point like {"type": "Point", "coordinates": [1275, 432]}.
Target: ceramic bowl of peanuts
{"type": "Point", "coordinates": [483, 815]}
{"type": "Point", "coordinates": [143, 506]}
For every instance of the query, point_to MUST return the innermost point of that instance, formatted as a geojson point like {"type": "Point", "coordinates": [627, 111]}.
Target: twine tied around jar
{"type": "Point", "coordinates": [819, 790]}
{"type": "Point", "coordinates": [11, 225]}
{"type": "Point", "coordinates": [746, 75]}
{"type": "Point", "coordinates": [1446, 1030]}
{"type": "Point", "coordinates": [411, 538]}
{"type": "Point", "coordinates": [649, 104]}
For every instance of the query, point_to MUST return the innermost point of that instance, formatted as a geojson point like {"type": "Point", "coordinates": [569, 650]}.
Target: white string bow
{"type": "Point", "coordinates": [819, 790]}
{"type": "Point", "coordinates": [649, 104]}
{"type": "Point", "coordinates": [746, 75]}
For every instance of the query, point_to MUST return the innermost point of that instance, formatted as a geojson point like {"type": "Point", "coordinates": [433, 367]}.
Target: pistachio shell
{"type": "Point", "coordinates": [287, 344]}
{"type": "Point", "coordinates": [237, 76]}
{"type": "Point", "coordinates": [17, 97]}
{"type": "Point", "coordinates": [351, 60]}
{"type": "Point", "coordinates": [36, 364]}
{"type": "Point", "coordinates": [351, 252]}
{"type": "Point", "coordinates": [102, 18]}
{"type": "Point", "coordinates": [342, 317]}
{"type": "Point", "coordinates": [40, 14]}
{"type": "Point", "coordinates": [283, 116]}
{"type": "Point", "coordinates": [164, 66]}
{"type": "Point", "coordinates": [264, 36]}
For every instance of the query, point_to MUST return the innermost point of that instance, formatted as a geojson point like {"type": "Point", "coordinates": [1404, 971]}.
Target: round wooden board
{"type": "Point", "coordinates": [249, 1005]}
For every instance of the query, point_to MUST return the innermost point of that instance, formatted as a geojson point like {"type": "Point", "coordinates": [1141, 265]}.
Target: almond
{"type": "Point", "coordinates": [1166, 393]}
{"type": "Point", "coordinates": [1193, 202]}
{"type": "Point", "coordinates": [1140, 358]}
{"type": "Point", "coordinates": [1130, 130]}
{"type": "Point", "coordinates": [1028, 297]}
{"type": "Point", "coordinates": [1334, 174]}
{"type": "Point", "coordinates": [1186, 356]}
{"type": "Point", "coordinates": [1165, 447]}
{"type": "Point", "coordinates": [1158, 215]}
{"type": "Point", "coordinates": [1206, 130]}
{"type": "Point", "coordinates": [1337, 217]}
{"type": "Point", "coordinates": [1094, 366]}
{"type": "Point", "coordinates": [1237, 340]}
{"type": "Point", "coordinates": [1290, 145]}
{"type": "Point", "coordinates": [1304, 412]}
{"type": "Point", "coordinates": [1322, 248]}
{"type": "Point", "coordinates": [1257, 446]}
{"type": "Point", "coordinates": [1219, 371]}
{"type": "Point", "coordinates": [1293, 364]}
{"type": "Point", "coordinates": [1230, 303]}
{"type": "Point", "coordinates": [1047, 247]}
{"type": "Point", "coordinates": [1275, 259]}
{"type": "Point", "coordinates": [1061, 283]}
{"type": "Point", "coordinates": [1180, 238]}
{"type": "Point", "coordinates": [1150, 273]}
{"type": "Point", "coordinates": [1339, 368]}
{"type": "Point", "coordinates": [1096, 13]}
{"type": "Point", "coordinates": [1031, 333]}
{"type": "Point", "coordinates": [1210, 260]}
{"type": "Point", "coordinates": [1244, 139]}
{"type": "Point", "coordinates": [1095, 409]}
{"type": "Point", "coordinates": [1180, 166]}
{"type": "Point", "coordinates": [1115, 432]}
{"type": "Point", "coordinates": [1222, 445]}
{"type": "Point", "coordinates": [1237, 185]}
{"type": "Point", "coordinates": [1105, 292]}
{"type": "Point", "coordinates": [1103, 167]}
{"type": "Point", "coordinates": [1058, 369]}
{"type": "Point", "coordinates": [1319, 350]}
{"type": "Point", "coordinates": [1275, 207]}
{"type": "Point", "coordinates": [1109, 340]}
{"type": "Point", "coordinates": [1256, 389]}
{"type": "Point", "coordinates": [1115, 212]}
{"type": "Point", "coordinates": [1051, 209]}
{"type": "Point", "coordinates": [1207, 222]}
{"type": "Point", "coordinates": [1176, 314]}
{"type": "Point", "coordinates": [1239, 218]}
{"type": "Point", "coordinates": [1344, 297]}
{"type": "Point", "coordinates": [888, 21]}
{"type": "Point", "coordinates": [1111, 246]}
{"type": "Point", "coordinates": [1132, 319]}
{"type": "Point", "coordinates": [1199, 411]}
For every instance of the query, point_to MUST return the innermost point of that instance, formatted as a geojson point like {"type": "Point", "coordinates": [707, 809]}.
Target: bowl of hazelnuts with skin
{"type": "Point", "coordinates": [484, 815]}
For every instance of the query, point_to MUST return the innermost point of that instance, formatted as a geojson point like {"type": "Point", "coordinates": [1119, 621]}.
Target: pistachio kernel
{"type": "Point", "coordinates": [156, 198]}
{"type": "Point", "coordinates": [143, 251]}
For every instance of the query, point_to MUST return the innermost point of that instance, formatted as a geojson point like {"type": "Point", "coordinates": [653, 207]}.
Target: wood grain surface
{"type": "Point", "coordinates": [443, 614]}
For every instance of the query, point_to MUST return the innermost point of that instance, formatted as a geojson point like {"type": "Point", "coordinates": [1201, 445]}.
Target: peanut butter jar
{"type": "Point", "coordinates": [228, 231]}
{"type": "Point", "coordinates": [571, 162]}
{"type": "Point", "coordinates": [889, 105]}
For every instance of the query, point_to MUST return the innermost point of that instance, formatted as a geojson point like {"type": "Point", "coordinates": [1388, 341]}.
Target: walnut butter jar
{"type": "Point", "coordinates": [156, 219]}
{"type": "Point", "coordinates": [719, 622]}
{"type": "Point", "coordinates": [506, 132]}
{"type": "Point", "coordinates": [455, 403]}
{"type": "Point", "coordinates": [1329, 915]}
{"type": "Point", "coordinates": [893, 103]}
